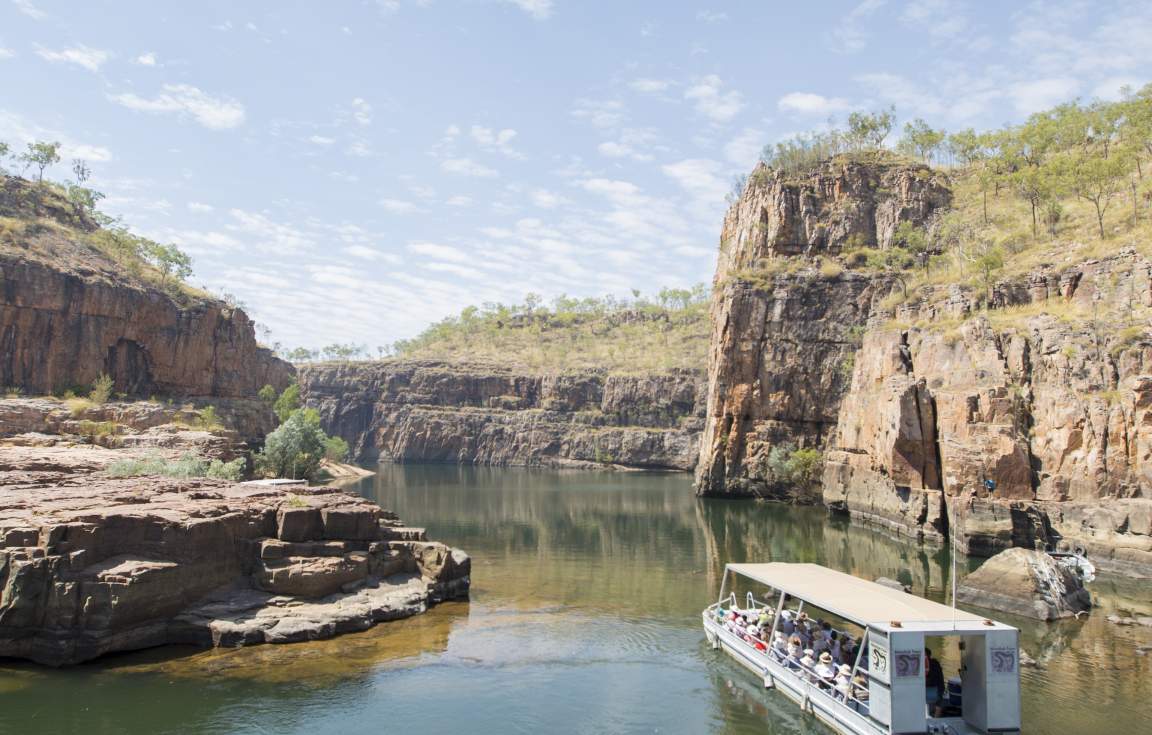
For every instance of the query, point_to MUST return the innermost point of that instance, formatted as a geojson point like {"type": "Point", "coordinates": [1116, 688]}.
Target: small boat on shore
{"type": "Point", "coordinates": [866, 670]}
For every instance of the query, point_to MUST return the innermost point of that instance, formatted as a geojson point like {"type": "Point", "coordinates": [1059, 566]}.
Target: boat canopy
{"type": "Point", "coordinates": [861, 601]}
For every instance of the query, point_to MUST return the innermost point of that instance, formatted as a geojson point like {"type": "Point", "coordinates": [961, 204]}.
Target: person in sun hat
{"type": "Point", "coordinates": [843, 682]}
{"type": "Point", "coordinates": [808, 664]}
{"type": "Point", "coordinates": [825, 670]}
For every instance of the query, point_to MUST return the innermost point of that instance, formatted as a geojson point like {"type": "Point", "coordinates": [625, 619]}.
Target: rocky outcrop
{"type": "Point", "coordinates": [1035, 396]}
{"type": "Point", "coordinates": [484, 414]}
{"type": "Point", "coordinates": [1026, 583]}
{"type": "Point", "coordinates": [782, 343]}
{"type": "Point", "coordinates": [68, 313]}
{"type": "Point", "coordinates": [92, 566]}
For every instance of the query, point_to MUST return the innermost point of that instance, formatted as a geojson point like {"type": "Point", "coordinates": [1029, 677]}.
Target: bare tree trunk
{"type": "Point", "coordinates": [1033, 201]}
{"type": "Point", "coordinates": [1135, 206]}
{"type": "Point", "coordinates": [985, 192]}
{"type": "Point", "coordinates": [1099, 217]}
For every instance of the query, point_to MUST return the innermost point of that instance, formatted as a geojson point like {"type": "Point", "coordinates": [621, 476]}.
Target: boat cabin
{"type": "Point", "coordinates": [878, 686]}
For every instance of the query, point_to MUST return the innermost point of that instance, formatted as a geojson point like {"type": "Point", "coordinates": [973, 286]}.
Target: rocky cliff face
{"type": "Point", "coordinates": [484, 414]}
{"type": "Point", "coordinates": [97, 565]}
{"type": "Point", "coordinates": [1042, 386]}
{"type": "Point", "coordinates": [782, 343]}
{"type": "Point", "coordinates": [1036, 395]}
{"type": "Point", "coordinates": [68, 313]}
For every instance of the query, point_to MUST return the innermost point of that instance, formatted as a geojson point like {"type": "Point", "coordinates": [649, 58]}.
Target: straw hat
{"type": "Point", "coordinates": [845, 669]}
{"type": "Point", "coordinates": [809, 652]}
{"type": "Point", "coordinates": [825, 658]}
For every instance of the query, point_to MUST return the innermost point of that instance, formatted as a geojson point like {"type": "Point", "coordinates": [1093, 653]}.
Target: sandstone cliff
{"type": "Point", "coordinates": [487, 414]}
{"type": "Point", "coordinates": [780, 356]}
{"type": "Point", "coordinates": [69, 312]}
{"type": "Point", "coordinates": [1040, 383]}
{"type": "Point", "coordinates": [1035, 394]}
{"type": "Point", "coordinates": [93, 566]}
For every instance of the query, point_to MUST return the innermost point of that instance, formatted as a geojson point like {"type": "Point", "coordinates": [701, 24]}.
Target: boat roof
{"type": "Point", "coordinates": [861, 601]}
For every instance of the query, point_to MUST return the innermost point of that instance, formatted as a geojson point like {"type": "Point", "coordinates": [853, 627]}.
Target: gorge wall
{"type": "Point", "coordinates": [496, 415]}
{"type": "Point", "coordinates": [782, 342]}
{"type": "Point", "coordinates": [1041, 385]}
{"type": "Point", "coordinates": [69, 312]}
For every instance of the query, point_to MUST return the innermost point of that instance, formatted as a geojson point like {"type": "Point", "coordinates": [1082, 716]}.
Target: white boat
{"type": "Point", "coordinates": [888, 693]}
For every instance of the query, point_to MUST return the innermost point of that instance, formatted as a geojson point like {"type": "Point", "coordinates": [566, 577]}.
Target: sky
{"type": "Point", "coordinates": [353, 171]}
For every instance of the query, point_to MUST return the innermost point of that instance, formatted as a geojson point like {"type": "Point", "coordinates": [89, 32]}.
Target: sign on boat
{"type": "Point", "coordinates": [878, 687]}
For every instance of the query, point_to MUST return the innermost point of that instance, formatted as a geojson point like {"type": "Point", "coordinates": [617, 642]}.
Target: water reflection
{"type": "Point", "coordinates": [584, 618]}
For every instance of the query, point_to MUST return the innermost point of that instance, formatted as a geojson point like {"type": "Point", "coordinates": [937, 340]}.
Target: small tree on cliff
{"type": "Point", "coordinates": [295, 449]}
{"type": "Point", "coordinates": [41, 155]}
{"type": "Point", "coordinates": [288, 403]}
{"type": "Point", "coordinates": [868, 130]}
{"type": "Point", "coordinates": [921, 140]}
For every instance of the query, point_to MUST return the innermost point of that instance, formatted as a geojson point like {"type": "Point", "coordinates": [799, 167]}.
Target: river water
{"type": "Point", "coordinates": [584, 618]}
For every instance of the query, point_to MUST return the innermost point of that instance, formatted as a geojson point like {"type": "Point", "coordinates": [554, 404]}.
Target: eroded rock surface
{"type": "Point", "coordinates": [1026, 583]}
{"type": "Point", "coordinates": [69, 313]}
{"type": "Point", "coordinates": [496, 415]}
{"type": "Point", "coordinates": [90, 566]}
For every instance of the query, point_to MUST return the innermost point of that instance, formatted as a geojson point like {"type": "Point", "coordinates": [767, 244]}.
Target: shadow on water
{"type": "Point", "coordinates": [587, 588]}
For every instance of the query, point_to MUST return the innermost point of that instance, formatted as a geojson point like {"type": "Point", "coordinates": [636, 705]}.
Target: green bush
{"type": "Point", "coordinates": [335, 449]}
{"type": "Point", "coordinates": [296, 448]}
{"type": "Point", "coordinates": [267, 394]}
{"type": "Point", "coordinates": [187, 466]}
{"type": "Point", "coordinates": [287, 403]}
{"type": "Point", "coordinates": [101, 389]}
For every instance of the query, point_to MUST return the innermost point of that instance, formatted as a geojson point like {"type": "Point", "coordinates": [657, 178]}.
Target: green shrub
{"type": "Point", "coordinates": [287, 403]}
{"type": "Point", "coordinates": [267, 394]}
{"type": "Point", "coordinates": [296, 448]}
{"type": "Point", "coordinates": [101, 389]}
{"type": "Point", "coordinates": [185, 467]}
{"type": "Point", "coordinates": [335, 449]}
{"type": "Point", "coordinates": [209, 419]}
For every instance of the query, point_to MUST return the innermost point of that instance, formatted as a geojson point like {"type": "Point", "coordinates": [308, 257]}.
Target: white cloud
{"type": "Point", "coordinates": [939, 18]}
{"type": "Point", "coordinates": [360, 149]}
{"type": "Point", "coordinates": [321, 140]}
{"type": "Point", "coordinates": [711, 16]}
{"type": "Point", "coordinates": [440, 252]}
{"type": "Point", "coordinates": [649, 86]}
{"type": "Point", "coordinates": [200, 207]}
{"type": "Point", "coordinates": [1029, 97]}
{"type": "Point", "coordinates": [459, 201]}
{"type": "Point", "coordinates": [89, 58]}
{"type": "Point", "coordinates": [27, 8]}
{"type": "Point", "coordinates": [364, 252]}
{"type": "Point", "coordinates": [6, 53]}
{"type": "Point", "coordinates": [701, 178]}
{"type": "Point", "coordinates": [398, 206]}
{"type": "Point", "coordinates": [147, 59]}
{"type": "Point", "coordinates": [184, 99]}
{"type": "Point", "coordinates": [497, 140]}
{"type": "Point", "coordinates": [18, 130]}
{"type": "Point", "coordinates": [744, 149]}
{"type": "Point", "coordinates": [600, 113]}
{"type": "Point", "coordinates": [712, 101]}
{"type": "Point", "coordinates": [545, 199]}
{"type": "Point", "coordinates": [269, 236]}
{"type": "Point", "coordinates": [848, 35]}
{"type": "Point", "coordinates": [908, 97]}
{"type": "Point", "coordinates": [809, 103]}
{"type": "Point", "coordinates": [1112, 88]}
{"type": "Point", "coordinates": [538, 9]}
{"type": "Point", "coordinates": [361, 111]}
{"type": "Point", "coordinates": [467, 167]}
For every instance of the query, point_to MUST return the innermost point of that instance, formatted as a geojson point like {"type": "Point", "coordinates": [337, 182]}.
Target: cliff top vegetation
{"type": "Point", "coordinates": [59, 223]}
{"type": "Point", "coordinates": [665, 331]}
{"type": "Point", "coordinates": [1065, 186]}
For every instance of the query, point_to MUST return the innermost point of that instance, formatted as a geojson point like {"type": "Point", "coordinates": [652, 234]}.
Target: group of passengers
{"type": "Point", "coordinates": [810, 648]}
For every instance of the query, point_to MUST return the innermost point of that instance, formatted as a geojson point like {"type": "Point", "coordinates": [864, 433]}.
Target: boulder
{"type": "Point", "coordinates": [1026, 583]}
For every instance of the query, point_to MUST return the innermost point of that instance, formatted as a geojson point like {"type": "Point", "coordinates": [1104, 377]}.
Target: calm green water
{"type": "Point", "coordinates": [584, 619]}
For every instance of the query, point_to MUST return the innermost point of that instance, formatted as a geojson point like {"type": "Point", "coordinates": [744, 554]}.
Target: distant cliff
{"type": "Point", "coordinates": [69, 312]}
{"type": "Point", "coordinates": [434, 411]}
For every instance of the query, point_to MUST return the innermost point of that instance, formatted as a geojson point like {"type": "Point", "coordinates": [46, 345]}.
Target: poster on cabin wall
{"type": "Point", "coordinates": [879, 663]}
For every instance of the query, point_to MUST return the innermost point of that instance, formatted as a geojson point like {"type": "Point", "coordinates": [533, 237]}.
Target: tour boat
{"type": "Point", "coordinates": [886, 692]}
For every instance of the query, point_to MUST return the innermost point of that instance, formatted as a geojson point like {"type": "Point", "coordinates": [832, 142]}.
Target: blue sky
{"type": "Point", "coordinates": [355, 170]}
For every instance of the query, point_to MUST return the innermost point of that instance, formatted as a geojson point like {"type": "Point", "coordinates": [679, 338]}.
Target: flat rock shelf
{"type": "Point", "coordinates": [93, 566]}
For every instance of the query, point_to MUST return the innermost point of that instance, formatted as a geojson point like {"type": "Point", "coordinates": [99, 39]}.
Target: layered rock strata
{"type": "Point", "coordinates": [495, 415]}
{"type": "Point", "coordinates": [1034, 396]}
{"type": "Point", "coordinates": [782, 343]}
{"type": "Point", "coordinates": [68, 313]}
{"type": "Point", "coordinates": [98, 565]}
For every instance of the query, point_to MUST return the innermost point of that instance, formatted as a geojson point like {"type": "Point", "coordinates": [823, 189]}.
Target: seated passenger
{"type": "Point", "coordinates": [819, 642]}
{"type": "Point", "coordinates": [848, 650]}
{"type": "Point", "coordinates": [795, 647]}
{"type": "Point", "coordinates": [834, 646]}
{"type": "Point", "coordinates": [808, 664]}
{"type": "Point", "coordinates": [824, 669]}
{"type": "Point", "coordinates": [860, 693]}
{"type": "Point", "coordinates": [765, 619]}
{"type": "Point", "coordinates": [843, 682]}
{"type": "Point", "coordinates": [779, 646]}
